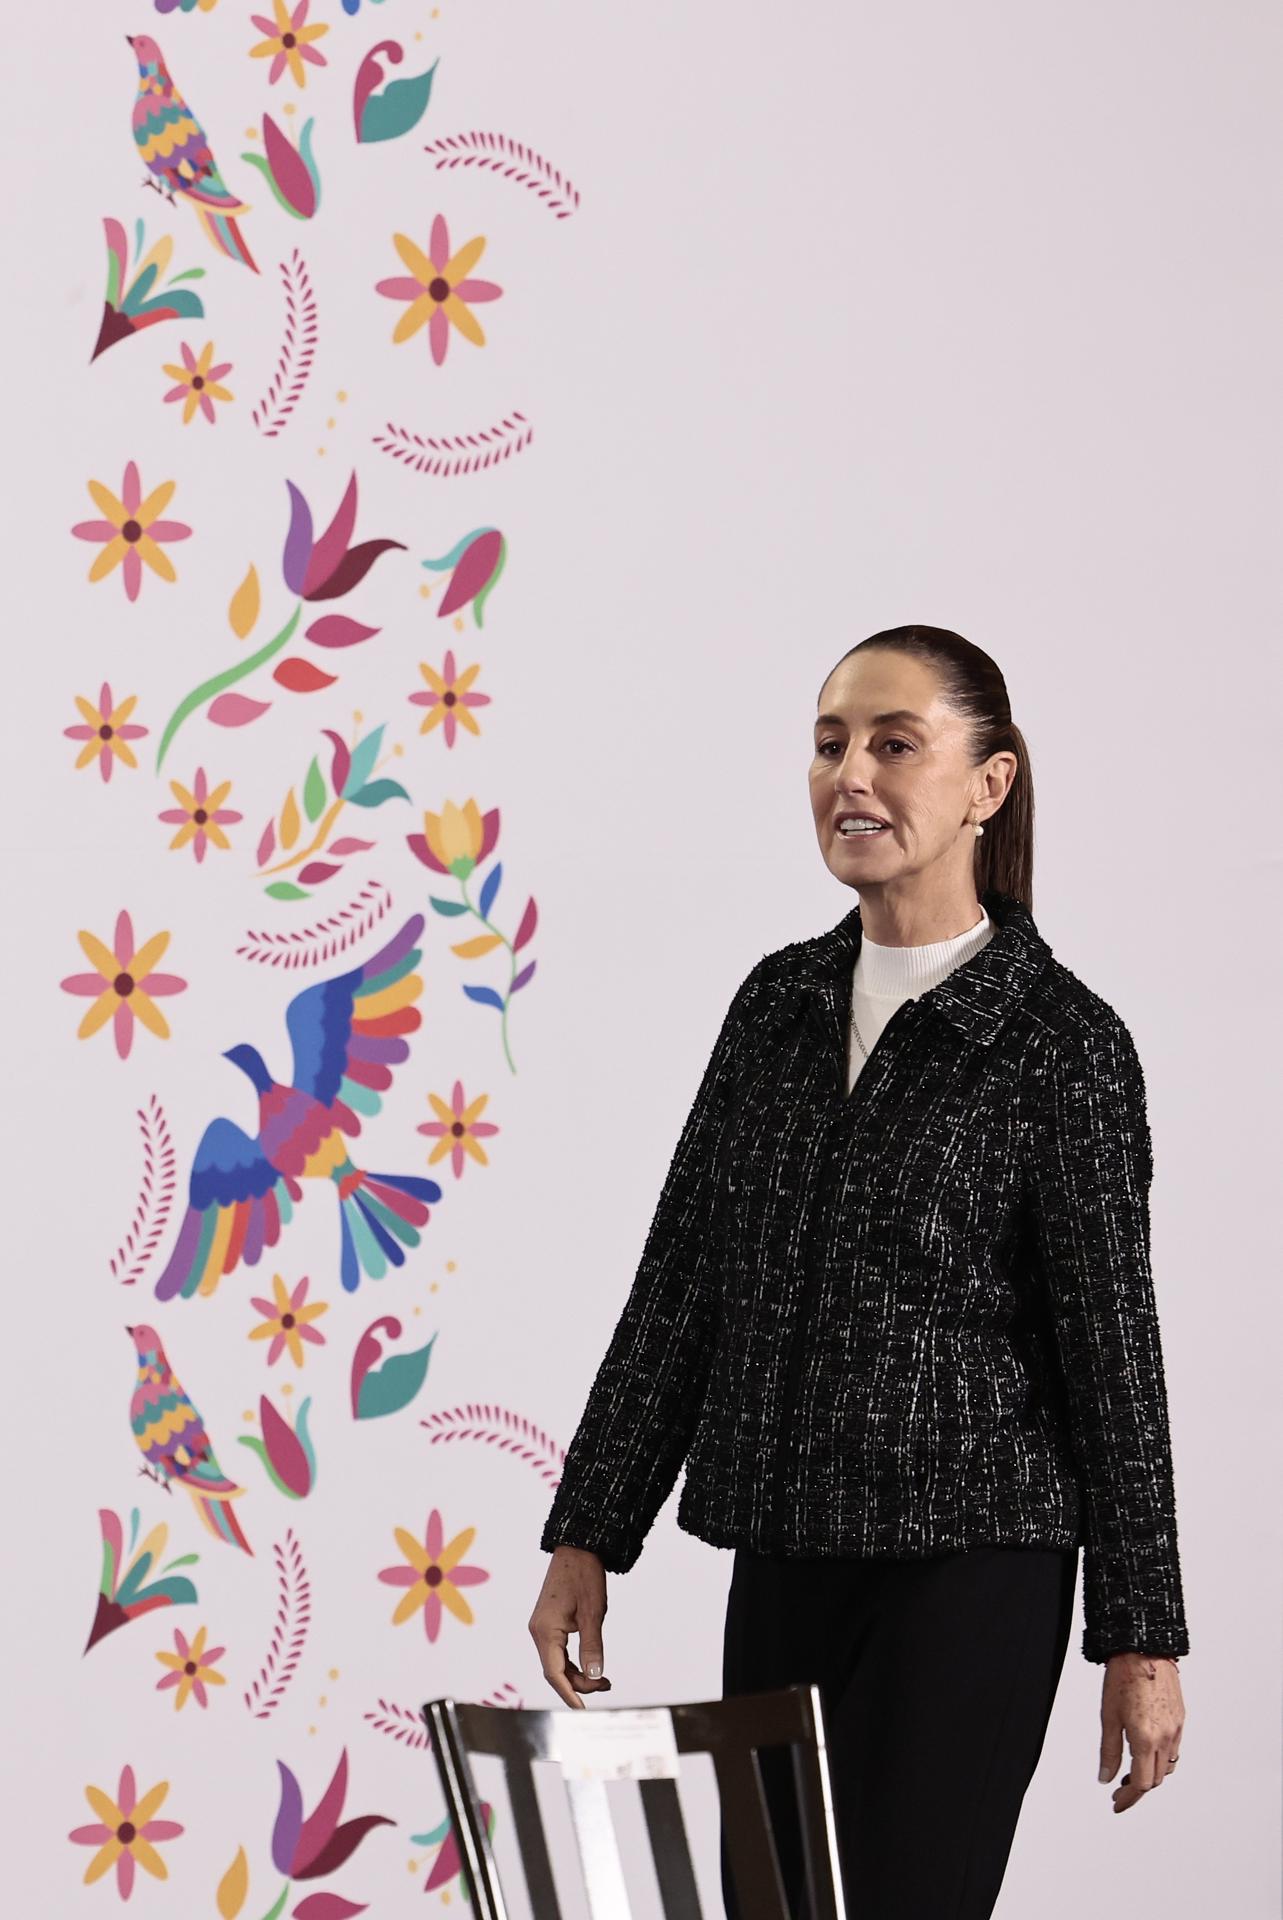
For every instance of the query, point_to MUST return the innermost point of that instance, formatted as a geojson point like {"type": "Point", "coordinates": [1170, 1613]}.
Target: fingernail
{"type": "Point", "coordinates": [1103, 1774]}
{"type": "Point", "coordinates": [594, 1669]}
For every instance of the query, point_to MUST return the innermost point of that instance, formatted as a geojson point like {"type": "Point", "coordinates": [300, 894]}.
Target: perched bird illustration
{"type": "Point", "coordinates": [172, 1439]}
{"type": "Point", "coordinates": [347, 1033]}
{"type": "Point", "coordinates": [176, 148]}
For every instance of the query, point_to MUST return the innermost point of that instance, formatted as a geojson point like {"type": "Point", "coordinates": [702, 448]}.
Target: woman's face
{"type": "Point", "coordinates": [885, 744]}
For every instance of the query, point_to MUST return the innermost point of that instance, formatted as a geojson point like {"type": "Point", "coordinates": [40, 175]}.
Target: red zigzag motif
{"type": "Point", "coordinates": [309, 946]}
{"type": "Point", "coordinates": [289, 1633]}
{"type": "Point", "coordinates": [428, 454]}
{"type": "Point", "coordinates": [298, 350]}
{"type": "Point", "coordinates": [155, 1199]}
{"type": "Point", "coordinates": [522, 165]}
{"type": "Point", "coordinates": [498, 1427]}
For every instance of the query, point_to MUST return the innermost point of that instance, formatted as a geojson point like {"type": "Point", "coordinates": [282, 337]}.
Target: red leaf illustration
{"type": "Point", "coordinates": [289, 169]}
{"type": "Point", "coordinates": [527, 926]}
{"type": "Point", "coordinates": [326, 1906]}
{"type": "Point", "coordinates": [300, 676]}
{"type": "Point", "coordinates": [284, 1449]}
{"type": "Point", "coordinates": [472, 572]}
{"type": "Point", "coordinates": [336, 630]}
{"type": "Point", "coordinates": [342, 764]}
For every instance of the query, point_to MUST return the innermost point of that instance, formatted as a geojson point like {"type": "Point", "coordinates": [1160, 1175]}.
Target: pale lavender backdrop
{"type": "Point", "coordinates": [968, 315]}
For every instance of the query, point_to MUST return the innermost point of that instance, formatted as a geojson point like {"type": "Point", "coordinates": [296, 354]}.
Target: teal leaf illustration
{"type": "Point", "coordinates": [364, 755]}
{"type": "Point", "coordinates": [400, 106]}
{"type": "Point", "coordinates": [395, 1384]}
{"type": "Point", "coordinates": [375, 792]}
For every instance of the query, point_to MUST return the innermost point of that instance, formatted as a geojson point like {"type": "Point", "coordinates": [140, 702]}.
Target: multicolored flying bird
{"type": "Point", "coordinates": [176, 148]}
{"type": "Point", "coordinates": [347, 1034]}
{"type": "Point", "coordinates": [172, 1439]}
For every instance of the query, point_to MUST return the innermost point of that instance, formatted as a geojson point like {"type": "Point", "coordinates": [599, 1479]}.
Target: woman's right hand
{"type": "Point", "coordinates": [572, 1600]}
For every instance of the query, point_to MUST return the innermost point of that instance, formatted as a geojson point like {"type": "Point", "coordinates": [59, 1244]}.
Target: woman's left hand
{"type": "Point", "coordinates": [1142, 1698]}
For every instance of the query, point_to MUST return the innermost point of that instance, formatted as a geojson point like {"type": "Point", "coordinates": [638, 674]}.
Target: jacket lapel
{"type": "Point", "coordinates": [814, 987]}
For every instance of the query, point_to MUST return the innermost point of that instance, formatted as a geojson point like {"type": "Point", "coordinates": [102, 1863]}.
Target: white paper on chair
{"type": "Point", "coordinates": [626, 1743]}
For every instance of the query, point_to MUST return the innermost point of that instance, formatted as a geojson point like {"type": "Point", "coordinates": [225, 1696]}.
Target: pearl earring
{"type": "Point", "coordinates": [979, 829]}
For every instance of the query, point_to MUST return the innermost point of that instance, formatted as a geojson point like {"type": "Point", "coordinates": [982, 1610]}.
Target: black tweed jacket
{"type": "Point", "coordinates": [913, 1318]}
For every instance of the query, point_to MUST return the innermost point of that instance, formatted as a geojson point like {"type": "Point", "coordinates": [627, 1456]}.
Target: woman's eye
{"type": "Point", "coordinates": [906, 744]}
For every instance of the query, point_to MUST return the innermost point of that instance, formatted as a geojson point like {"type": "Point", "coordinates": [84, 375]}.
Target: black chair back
{"type": "Point", "coordinates": [730, 1731]}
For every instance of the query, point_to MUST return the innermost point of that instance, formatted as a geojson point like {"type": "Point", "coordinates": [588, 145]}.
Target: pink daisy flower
{"type": "Point", "coordinates": [201, 816]}
{"type": "Point", "coordinates": [191, 1669]}
{"type": "Point", "coordinates": [125, 1833]}
{"type": "Point", "coordinates": [433, 1576]}
{"type": "Point", "coordinates": [440, 292]}
{"type": "Point", "coordinates": [123, 985]}
{"type": "Point", "coordinates": [131, 531]}
{"type": "Point", "coordinates": [105, 731]}
{"type": "Point", "coordinates": [457, 1130]}
{"type": "Point", "coordinates": [448, 697]}
{"type": "Point", "coordinates": [288, 42]}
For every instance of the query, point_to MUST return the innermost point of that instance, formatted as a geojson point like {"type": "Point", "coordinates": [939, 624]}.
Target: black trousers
{"type": "Point", "coordinates": [937, 1678]}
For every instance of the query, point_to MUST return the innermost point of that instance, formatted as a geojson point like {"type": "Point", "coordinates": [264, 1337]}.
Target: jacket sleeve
{"type": "Point", "coordinates": [641, 1413]}
{"type": "Point", "coordinates": [1092, 1172]}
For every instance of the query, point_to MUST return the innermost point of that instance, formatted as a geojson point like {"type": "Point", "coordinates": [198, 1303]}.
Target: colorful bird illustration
{"type": "Point", "coordinates": [172, 1439]}
{"type": "Point", "coordinates": [347, 1033]}
{"type": "Point", "coordinates": [176, 148]}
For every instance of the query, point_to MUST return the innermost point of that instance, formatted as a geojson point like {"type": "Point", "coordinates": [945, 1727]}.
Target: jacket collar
{"type": "Point", "coordinates": [977, 997]}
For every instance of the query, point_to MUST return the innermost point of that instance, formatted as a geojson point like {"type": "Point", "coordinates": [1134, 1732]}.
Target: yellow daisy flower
{"type": "Point", "coordinates": [288, 43]}
{"type": "Point", "coordinates": [124, 1833]}
{"type": "Point", "coordinates": [288, 1321]}
{"type": "Point", "coordinates": [199, 384]}
{"type": "Point", "coordinates": [191, 1669]}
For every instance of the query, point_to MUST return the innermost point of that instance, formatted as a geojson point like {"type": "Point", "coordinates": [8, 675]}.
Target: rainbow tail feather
{"type": "Point", "coordinates": [219, 1516]}
{"type": "Point", "coordinates": [376, 1212]}
{"type": "Point", "coordinates": [226, 235]}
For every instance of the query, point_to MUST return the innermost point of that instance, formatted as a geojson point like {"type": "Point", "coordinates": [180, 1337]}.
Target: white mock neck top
{"type": "Point", "coordinates": [884, 977]}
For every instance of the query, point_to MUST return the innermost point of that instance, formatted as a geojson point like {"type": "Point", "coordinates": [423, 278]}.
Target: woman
{"type": "Point", "coordinates": [895, 1312]}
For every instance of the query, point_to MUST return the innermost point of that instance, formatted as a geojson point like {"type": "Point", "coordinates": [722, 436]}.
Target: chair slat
{"type": "Point", "coordinates": [819, 1834]}
{"type": "Point", "coordinates": [670, 1850]}
{"type": "Point", "coordinates": [603, 1870]}
{"type": "Point", "coordinates": [527, 1820]}
{"type": "Point", "coordinates": [476, 1859]}
{"type": "Point", "coordinates": [755, 1864]}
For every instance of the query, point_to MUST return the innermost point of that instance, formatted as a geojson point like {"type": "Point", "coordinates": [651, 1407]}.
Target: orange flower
{"type": "Point", "coordinates": [124, 1833]}
{"type": "Point", "coordinates": [131, 530]}
{"type": "Point", "coordinates": [439, 291]}
{"type": "Point", "coordinates": [455, 840]}
{"type": "Point", "coordinates": [198, 382]}
{"type": "Point", "coordinates": [433, 1575]}
{"type": "Point", "coordinates": [457, 1129]}
{"type": "Point", "coordinates": [449, 697]}
{"type": "Point", "coordinates": [105, 733]}
{"type": "Point", "coordinates": [287, 1321]}
{"type": "Point", "coordinates": [288, 42]}
{"type": "Point", "coordinates": [191, 1669]}
{"type": "Point", "coordinates": [202, 815]}
{"type": "Point", "coordinates": [123, 984]}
